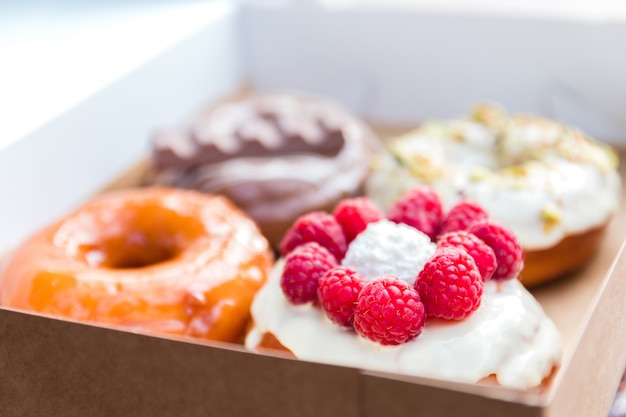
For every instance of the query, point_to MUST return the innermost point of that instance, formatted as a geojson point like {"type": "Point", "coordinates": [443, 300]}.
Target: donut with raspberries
{"type": "Point", "coordinates": [410, 291]}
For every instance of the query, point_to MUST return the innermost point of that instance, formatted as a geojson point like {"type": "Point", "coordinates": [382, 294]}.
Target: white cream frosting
{"type": "Point", "coordinates": [385, 248]}
{"type": "Point", "coordinates": [542, 179]}
{"type": "Point", "coordinates": [509, 336]}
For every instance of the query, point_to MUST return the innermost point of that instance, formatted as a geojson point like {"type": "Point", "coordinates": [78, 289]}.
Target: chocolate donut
{"type": "Point", "coordinates": [275, 156]}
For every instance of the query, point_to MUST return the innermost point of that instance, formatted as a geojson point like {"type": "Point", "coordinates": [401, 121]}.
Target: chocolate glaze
{"type": "Point", "coordinates": [267, 126]}
{"type": "Point", "coordinates": [276, 156]}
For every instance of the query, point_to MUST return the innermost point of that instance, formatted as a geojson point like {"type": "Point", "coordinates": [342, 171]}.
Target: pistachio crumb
{"type": "Point", "coordinates": [551, 216]}
{"type": "Point", "coordinates": [479, 174]}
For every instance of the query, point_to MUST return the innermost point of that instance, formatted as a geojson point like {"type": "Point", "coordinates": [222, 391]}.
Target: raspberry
{"type": "Point", "coordinates": [354, 214]}
{"type": "Point", "coordinates": [389, 311]}
{"type": "Point", "coordinates": [508, 251]}
{"type": "Point", "coordinates": [462, 216]}
{"type": "Point", "coordinates": [303, 268]}
{"type": "Point", "coordinates": [337, 293]}
{"type": "Point", "coordinates": [318, 227]}
{"type": "Point", "coordinates": [450, 285]}
{"type": "Point", "coordinates": [481, 252]}
{"type": "Point", "coordinates": [421, 208]}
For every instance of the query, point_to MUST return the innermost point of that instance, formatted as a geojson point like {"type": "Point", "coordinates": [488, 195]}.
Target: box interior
{"type": "Point", "coordinates": [391, 86]}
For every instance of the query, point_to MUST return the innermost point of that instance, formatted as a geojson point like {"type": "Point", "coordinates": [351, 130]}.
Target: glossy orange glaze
{"type": "Point", "coordinates": [161, 260]}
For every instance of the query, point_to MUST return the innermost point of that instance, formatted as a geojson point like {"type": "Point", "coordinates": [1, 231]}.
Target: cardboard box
{"type": "Point", "coordinates": [385, 65]}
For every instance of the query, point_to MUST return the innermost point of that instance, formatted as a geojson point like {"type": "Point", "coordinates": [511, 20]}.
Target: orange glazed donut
{"type": "Point", "coordinates": [155, 259]}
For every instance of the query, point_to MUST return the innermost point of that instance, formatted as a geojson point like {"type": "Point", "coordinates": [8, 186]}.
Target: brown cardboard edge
{"type": "Point", "coordinates": [384, 396]}
{"type": "Point", "coordinates": [58, 368]}
{"type": "Point", "coordinates": [589, 375]}
{"type": "Point", "coordinates": [76, 369]}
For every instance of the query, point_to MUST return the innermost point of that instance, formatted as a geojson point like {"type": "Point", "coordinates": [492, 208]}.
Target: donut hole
{"type": "Point", "coordinates": [133, 236]}
{"type": "Point", "coordinates": [138, 251]}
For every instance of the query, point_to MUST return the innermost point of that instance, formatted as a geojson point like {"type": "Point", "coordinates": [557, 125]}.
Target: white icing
{"type": "Point", "coordinates": [509, 336]}
{"type": "Point", "coordinates": [387, 248]}
{"type": "Point", "coordinates": [535, 165]}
